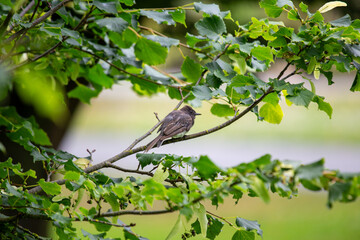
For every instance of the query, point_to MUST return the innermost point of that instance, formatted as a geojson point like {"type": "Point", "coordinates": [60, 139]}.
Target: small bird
{"type": "Point", "coordinates": [175, 125]}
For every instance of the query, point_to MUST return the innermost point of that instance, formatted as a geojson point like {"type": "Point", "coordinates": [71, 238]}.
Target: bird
{"type": "Point", "coordinates": [175, 125]}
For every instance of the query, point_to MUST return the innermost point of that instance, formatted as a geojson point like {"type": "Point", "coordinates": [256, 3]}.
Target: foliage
{"type": "Point", "coordinates": [50, 45]}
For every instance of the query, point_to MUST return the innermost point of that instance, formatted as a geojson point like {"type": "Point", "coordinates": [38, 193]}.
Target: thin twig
{"type": "Point", "coordinates": [108, 223]}
{"type": "Point", "coordinates": [137, 212]}
{"type": "Point", "coordinates": [219, 217]}
{"type": "Point", "coordinates": [157, 117]}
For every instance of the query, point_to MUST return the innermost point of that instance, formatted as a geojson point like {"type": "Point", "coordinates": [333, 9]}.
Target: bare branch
{"type": "Point", "coordinates": [136, 212]}
{"type": "Point", "coordinates": [108, 223]}
{"type": "Point", "coordinates": [157, 117]}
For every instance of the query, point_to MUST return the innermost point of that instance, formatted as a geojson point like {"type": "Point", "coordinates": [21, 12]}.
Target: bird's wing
{"type": "Point", "coordinates": [179, 123]}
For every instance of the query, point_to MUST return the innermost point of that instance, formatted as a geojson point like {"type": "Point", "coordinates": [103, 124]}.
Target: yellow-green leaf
{"type": "Point", "coordinates": [331, 5]}
{"type": "Point", "coordinates": [271, 113]}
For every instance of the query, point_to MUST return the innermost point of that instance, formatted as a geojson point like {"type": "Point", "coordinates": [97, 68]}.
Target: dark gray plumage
{"type": "Point", "coordinates": [176, 124]}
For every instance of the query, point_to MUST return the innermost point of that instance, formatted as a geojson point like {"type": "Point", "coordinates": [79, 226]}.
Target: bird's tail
{"type": "Point", "coordinates": [157, 140]}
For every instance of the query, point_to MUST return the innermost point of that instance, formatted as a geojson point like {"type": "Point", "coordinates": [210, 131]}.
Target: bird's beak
{"type": "Point", "coordinates": [197, 113]}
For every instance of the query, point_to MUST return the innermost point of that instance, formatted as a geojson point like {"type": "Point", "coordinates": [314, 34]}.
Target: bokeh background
{"type": "Point", "coordinates": [119, 116]}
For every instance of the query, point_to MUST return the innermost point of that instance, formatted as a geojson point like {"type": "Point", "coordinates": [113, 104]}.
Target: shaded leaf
{"type": "Point", "coordinates": [147, 159]}
{"type": "Point", "coordinates": [202, 92]}
{"type": "Point", "coordinates": [249, 225]}
{"type": "Point", "coordinates": [211, 9]}
{"type": "Point", "coordinates": [109, 7]}
{"type": "Point", "coordinates": [113, 24]}
{"type": "Point", "coordinates": [206, 168]}
{"type": "Point", "coordinates": [179, 16]}
{"type": "Point", "coordinates": [302, 98]}
{"type": "Point", "coordinates": [211, 27]}
{"type": "Point", "coordinates": [310, 171]}
{"type": "Point", "coordinates": [160, 17]}
{"type": "Point", "coordinates": [164, 41]}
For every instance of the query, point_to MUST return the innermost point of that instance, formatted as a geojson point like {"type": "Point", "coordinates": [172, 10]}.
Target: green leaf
{"type": "Point", "coordinates": [147, 159]}
{"type": "Point", "coordinates": [5, 83]}
{"type": "Point", "coordinates": [344, 21]}
{"type": "Point", "coordinates": [271, 9]}
{"type": "Point", "coordinates": [317, 17]}
{"type": "Point", "coordinates": [303, 7]}
{"type": "Point", "coordinates": [260, 189]}
{"type": "Point", "coordinates": [179, 15]}
{"type": "Point", "coordinates": [101, 227]}
{"type": "Point", "coordinates": [206, 168]}
{"type": "Point", "coordinates": [150, 52]}
{"type": "Point", "coordinates": [356, 83]}
{"type": "Point", "coordinates": [200, 212]}
{"type": "Point", "coordinates": [302, 98]}
{"type": "Point", "coordinates": [177, 228]}
{"type": "Point", "coordinates": [202, 92]}
{"type": "Point", "coordinates": [51, 188]}
{"type": "Point", "coordinates": [272, 98]}
{"type": "Point", "coordinates": [70, 33]}
{"type": "Point", "coordinates": [109, 7]}
{"type": "Point", "coordinates": [124, 40]}
{"type": "Point", "coordinates": [97, 76]}
{"type": "Point", "coordinates": [243, 235]}
{"type": "Point", "coordinates": [113, 24]}
{"type": "Point", "coordinates": [128, 2]}
{"type": "Point", "coordinates": [240, 61]}
{"type": "Point", "coordinates": [262, 53]}
{"type": "Point", "coordinates": [214, 228]}
{"type": "Point", "coordinates": [72, 176]}
{"type": "Point", "coordinates": [211, 9]}
{"type": "Point", "coordinates": [50, 103]}
{"type": "Point", "coordinates": [83, 93]}
{"type": "Point", "coordinates": [160, 17]}
{"type": "Point", "coordinates": [191, 69]}
{"type": "Point", "coordinates": [293, 15]}
{"type": "Point", "coordinates": [249, 225]}
{"type": "Point", "coordinates": [222, 110]}
{"type": "Point", "coordinates": [310, 171]}
{"type": "Point", "coordinates": [338, 192]}
{"type": "Point", "coordinates": [211, 26]}
{"type": "Point", "coordinates": [271, 113]}
{"type": "Point", "coordinates": [323, 106]}
{"type": "Point", "coordinates": [160, 175]}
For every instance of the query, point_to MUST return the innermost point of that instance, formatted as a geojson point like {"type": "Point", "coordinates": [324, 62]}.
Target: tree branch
{"type": "Point", "coordinates": [136, 212]}
{"type": "Point", "coordinates": [38, 20]}
{"type": "Point", "coordinates": [82, 22]}
{"type": "Point", "coordinates": [122, 70]}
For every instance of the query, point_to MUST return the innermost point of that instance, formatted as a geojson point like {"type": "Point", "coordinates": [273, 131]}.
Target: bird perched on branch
{"type": "Point", "coordinates": [175, 125]}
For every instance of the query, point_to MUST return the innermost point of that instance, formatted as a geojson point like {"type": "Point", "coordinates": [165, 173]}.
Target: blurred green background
{"type": "Point", "coordinates": [118, 117]}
